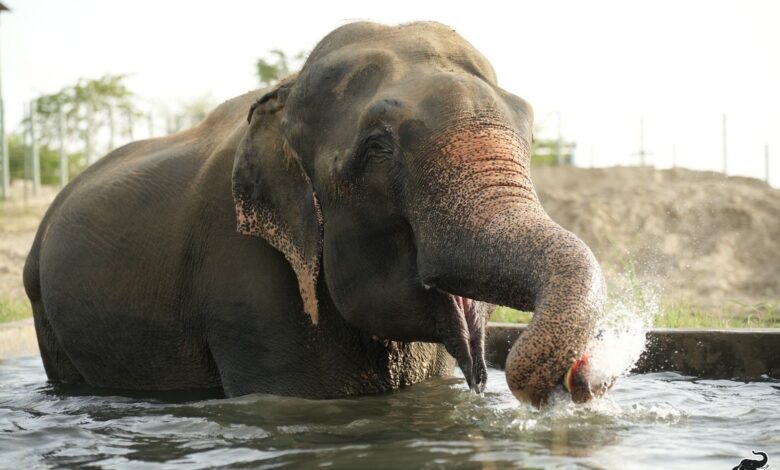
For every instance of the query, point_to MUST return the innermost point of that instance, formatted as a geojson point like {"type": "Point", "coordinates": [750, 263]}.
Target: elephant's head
{"type": "Point", "coordinates": [396, 171]}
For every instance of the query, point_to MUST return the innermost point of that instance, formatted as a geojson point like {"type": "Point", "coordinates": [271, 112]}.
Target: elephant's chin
{"type": "Point", "coordinates": [461, 328]}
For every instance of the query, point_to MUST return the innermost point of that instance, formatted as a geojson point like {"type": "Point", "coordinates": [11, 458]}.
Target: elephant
{"type": "Point", "coordinates": [351, 235]}
{"type": "Point", "coordinates": [749, 464]}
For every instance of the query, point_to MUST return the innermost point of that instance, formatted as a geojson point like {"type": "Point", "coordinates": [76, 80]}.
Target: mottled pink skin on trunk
{"type": "Point", "coordinates": [478, 214]}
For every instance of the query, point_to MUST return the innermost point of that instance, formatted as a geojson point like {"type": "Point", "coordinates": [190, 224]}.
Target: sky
{"type": "Point", "coordinates": [600, 65]}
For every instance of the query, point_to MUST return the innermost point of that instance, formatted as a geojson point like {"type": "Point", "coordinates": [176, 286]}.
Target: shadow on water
{"type": "Point", "coordinates": [646, 420]}
{"type": "Point", "coordinates": [166, 396]}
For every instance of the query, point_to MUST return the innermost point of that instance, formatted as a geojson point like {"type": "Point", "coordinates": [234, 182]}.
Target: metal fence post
{"type": "Point", "coordinates": [130, 118]}
{"type": "Point", "coordinates": [592, 156]}
{"type": "Point", "coordinates": [111, 126]}
{"type": "Point", "coordinates": [35, 155]}
{"type": "Point", "coordinates": [725, 148]}
{"type": "Point", "coordinates": [26, 147]}
{"type": "Point", "coordinates": [5, 166]}
{"type": "Point", "coordinates": [558, 156]}
{"type": "Point", "coordinates": [63, 158]}
{"type": "Point", "coordinates": [88, 136]}
{"type": "Point", "coordinates": [642, 141]}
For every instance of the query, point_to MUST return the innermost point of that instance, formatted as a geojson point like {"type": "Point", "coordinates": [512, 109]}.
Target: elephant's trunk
{"type": "Point", "coordinates": [485, 236]}
{"type": "Point", "coordinates": [568, 291]}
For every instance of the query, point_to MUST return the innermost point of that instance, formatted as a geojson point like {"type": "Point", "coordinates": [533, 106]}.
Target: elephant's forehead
{"type": "Point", "coordinates": [429, 42]}
{"type": "Point", "coordinates": [352, 71]}
{"type": "Point", "coordinates": [361, 67]}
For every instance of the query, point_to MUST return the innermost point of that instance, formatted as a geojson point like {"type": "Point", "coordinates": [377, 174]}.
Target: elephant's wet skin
{"type": "Point", "coordinates": [383, 205]}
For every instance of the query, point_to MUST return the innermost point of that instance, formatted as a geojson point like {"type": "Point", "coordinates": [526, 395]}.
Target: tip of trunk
{"type": "Point", "coordinates": [566, 312]}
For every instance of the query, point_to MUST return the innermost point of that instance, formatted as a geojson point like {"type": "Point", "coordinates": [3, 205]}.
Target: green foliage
{"type": "Point", "coordinates": [50, 161]}
{"type": "Point", "coordinates": [681, 314]}
{"type": "Point", "coordinates": [277, 64]}
{"type": "Point", "coordinates": [87, 106]}
{"type": "Point", "coordinates": [14, 309]}
{"type": "Point", "coordinates": [16, 155]}
{"type": "Point", "coordinates": [196, 110]}
{"type": "Point", "coordinates": [545, 152]}
{"type": "Point", "coordinates": [509, 315]}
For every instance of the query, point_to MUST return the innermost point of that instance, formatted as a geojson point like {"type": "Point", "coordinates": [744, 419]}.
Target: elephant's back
{"type": "Point", "coordinates": [113, 257]}
{"type": "Point", "coordinates": [135, 209]}
{"type": "Point", "coordinates": [124, 215]}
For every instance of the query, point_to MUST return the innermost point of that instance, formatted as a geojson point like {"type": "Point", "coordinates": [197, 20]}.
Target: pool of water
{"type": "Point", "coordinates": [654, 420]}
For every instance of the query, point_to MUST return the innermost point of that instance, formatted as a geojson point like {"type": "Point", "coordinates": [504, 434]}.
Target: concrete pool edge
{"type": "Point", "coordinates": [748, 354]}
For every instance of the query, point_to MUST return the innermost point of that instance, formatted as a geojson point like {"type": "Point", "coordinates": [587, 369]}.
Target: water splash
{"type": "Point", "coordinates": [622, 332]}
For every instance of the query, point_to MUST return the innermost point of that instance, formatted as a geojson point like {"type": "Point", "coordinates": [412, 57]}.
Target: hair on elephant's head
{"type": "Point", "coordinates": [394, 169]}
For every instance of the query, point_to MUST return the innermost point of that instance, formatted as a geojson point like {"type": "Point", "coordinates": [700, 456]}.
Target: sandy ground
{"type": "Point", "coordinates": [696, 237]}
{"type": "Point", "coordinates": [693, 237]}
{"type": "Point", "coordinates": [19, 218]}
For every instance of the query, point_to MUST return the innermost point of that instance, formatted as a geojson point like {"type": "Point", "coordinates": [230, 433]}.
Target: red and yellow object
{"type": "Point", "coordinates": [578, 381]}
{"type": "Point", "coordinates": [568, 379]}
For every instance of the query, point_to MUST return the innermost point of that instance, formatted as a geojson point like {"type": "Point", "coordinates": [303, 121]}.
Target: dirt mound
{"type": "Point", "coordinates": [699, 237]}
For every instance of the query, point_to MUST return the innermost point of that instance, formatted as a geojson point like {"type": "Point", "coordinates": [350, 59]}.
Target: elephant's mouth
{"type": "Point", "coordinates": [462, 331]}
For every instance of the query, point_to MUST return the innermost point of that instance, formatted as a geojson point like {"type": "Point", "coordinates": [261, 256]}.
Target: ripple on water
{"type": "Point", "coordinates": [646, 420]}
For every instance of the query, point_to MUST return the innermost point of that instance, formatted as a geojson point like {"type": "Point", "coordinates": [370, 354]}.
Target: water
{"type": "Point", "coordinates": [646, 421]}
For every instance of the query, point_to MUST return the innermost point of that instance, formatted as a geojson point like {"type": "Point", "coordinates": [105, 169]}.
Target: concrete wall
{"type": "Point", "coordinates": [716, 354]}
{"type": "Point", "coordinates": [723, 354]}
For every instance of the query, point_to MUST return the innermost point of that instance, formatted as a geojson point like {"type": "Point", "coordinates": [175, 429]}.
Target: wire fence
{"type": "Point", "coordinates": [746, 158]}
{"type": "Point", "coordinates": [56, 159]}
{"type": "Point", "coordinates": [53, 158]}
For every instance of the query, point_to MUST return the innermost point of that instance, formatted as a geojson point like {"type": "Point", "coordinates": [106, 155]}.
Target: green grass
{"type": "Point", "coordinates": [678, 314]}
{"type": "Point", "coordinates": [509, 315]}
{"type": "Point", "coordinates": [732, 315]}
{"type": "Point", "coordinates": [14, 309]}
{"type": "Point", "coordinates": [681, 314]}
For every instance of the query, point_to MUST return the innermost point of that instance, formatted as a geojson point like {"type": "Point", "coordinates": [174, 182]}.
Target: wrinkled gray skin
{"type": "Point", "coordinates": [382, 188]}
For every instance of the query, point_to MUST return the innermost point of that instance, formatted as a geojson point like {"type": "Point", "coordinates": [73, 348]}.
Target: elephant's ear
{"type": "Point", "coordinates": [274, 196]}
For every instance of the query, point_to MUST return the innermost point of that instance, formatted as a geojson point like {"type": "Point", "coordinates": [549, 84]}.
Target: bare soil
{"type": "Point", "coordinates": [19, 219]}
{"type": "Point", "coordinates": [695, 237]}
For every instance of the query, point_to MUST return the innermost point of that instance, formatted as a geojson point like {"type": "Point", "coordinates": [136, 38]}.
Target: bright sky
{"type": "Point", "coordinates": [601, 64]}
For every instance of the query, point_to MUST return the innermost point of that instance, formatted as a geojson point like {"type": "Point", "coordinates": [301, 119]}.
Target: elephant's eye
{"type": "Point", "coordinates": [378, 144]}
{"type": "Point", "coordinates": [378, 148]}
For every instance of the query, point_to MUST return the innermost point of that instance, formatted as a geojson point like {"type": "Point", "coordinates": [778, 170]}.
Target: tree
{"type": "Point", "coordinates": [88, 107]}
{"type": "Point", "coordinates": [545, 152]}
{"type": "Point", "coordinates": [50, 161]}
{"type": "Point", "coordinates": [551, 151]}
{"type": "Point", "coordinates": [278, 65]}
{"type": "Point", "coordinates": [192, 112]}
